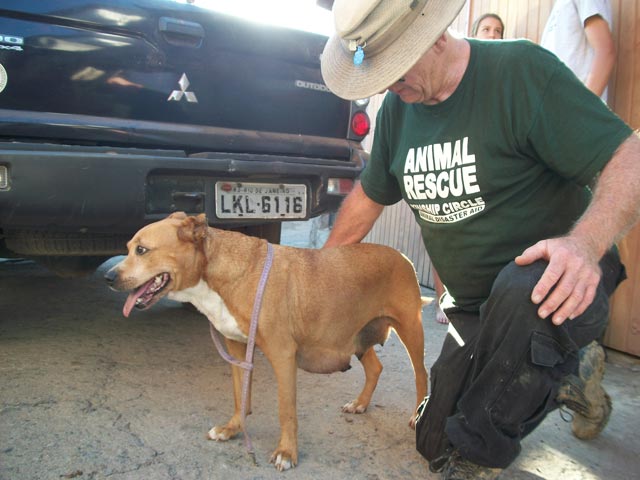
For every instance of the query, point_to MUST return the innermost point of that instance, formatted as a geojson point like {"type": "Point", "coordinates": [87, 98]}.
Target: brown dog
{"type": "Point", "coordinates": [319, 308]}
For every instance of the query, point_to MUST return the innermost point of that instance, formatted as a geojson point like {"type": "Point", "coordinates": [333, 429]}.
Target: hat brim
{"type": "Point", "coordinates": [380, 71]}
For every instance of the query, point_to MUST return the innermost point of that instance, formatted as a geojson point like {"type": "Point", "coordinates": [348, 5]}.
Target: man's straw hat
{"type": "Point", "coordinates": [377, 41]}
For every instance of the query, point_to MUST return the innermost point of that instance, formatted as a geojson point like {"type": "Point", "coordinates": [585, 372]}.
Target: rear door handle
{"type": "Point", "coordinates": [181, 33]}
{"type": "Point", "coordinates": [195, 196]}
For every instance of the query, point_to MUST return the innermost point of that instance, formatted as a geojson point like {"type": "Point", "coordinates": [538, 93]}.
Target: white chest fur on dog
{"type": "Point", "coordinates": [208, 302]}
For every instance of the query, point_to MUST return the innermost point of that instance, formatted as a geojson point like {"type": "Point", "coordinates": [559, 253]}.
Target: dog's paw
{"type": "Point", "coordinates": [354, 407]}
{"type": "Point", "coordinates": [283, 460]}
{"type": "Point", "coordinates": [221, 434]}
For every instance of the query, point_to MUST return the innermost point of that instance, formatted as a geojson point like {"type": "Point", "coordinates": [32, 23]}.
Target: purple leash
{"type": "Point", "coordinates": [247, 365]}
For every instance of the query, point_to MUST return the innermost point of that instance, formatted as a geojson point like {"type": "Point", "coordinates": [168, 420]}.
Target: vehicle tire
{"type": "Point", "coordinates": [41, 243]}
{"type": "Point", "coordinates": [71, 267]}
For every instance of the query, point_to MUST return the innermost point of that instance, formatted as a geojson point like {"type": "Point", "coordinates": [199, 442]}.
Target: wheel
{"type": "Point", "coordinates": [66, 254]}
{"type": "Point", "coordinates": [71, 267]}
{"type": "Point", "coordinates": [37, 243]}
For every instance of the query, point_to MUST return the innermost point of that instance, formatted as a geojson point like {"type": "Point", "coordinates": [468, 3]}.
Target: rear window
{"type": "Point", "coordinates": [296, 14]}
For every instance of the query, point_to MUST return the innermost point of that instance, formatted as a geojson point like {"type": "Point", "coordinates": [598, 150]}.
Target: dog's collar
{"type": "Point", "coordinates": [247, 365]}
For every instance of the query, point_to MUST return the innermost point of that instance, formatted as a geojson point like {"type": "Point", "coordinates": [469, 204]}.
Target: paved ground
{"type": "Point", "coordinates": [89, 394]}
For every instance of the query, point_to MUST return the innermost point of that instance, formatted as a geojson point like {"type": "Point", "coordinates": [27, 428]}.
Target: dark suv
{"type": "Point", "coordinates": [114, 114]}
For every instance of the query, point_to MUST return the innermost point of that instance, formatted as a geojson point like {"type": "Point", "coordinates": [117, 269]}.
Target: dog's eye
{"type": "Point", "coordinates": [140, 250]}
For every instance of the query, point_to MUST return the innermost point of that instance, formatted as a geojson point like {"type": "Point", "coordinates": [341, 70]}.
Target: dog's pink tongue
{"type": "Point", "coordinates": [133, 296]}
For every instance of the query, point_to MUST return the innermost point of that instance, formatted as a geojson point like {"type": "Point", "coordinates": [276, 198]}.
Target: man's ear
{"type": "Point", "coordinates": [441, 41]}
{"type": "Point", "coordinates": [193, 229]}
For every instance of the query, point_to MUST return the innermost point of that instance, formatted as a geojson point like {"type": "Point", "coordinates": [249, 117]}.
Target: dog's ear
{"type": "Point", "coordinates": [178, 215]}
{"type": "Point", "coordinates": [200, 227]}
{"type": "Point", "coordinates": [193, 229]}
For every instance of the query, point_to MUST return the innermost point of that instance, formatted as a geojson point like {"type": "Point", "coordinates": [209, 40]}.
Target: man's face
{"type": "Point", "coordinates": [408, 88]}
{"type": "Point", "coordinates": [408, 92]}
{"type": "Point", "coordinates": [417, 85]}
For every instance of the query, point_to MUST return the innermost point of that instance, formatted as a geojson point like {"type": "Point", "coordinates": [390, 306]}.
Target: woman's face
{"type": "Point", "coordinates": [490, 29]}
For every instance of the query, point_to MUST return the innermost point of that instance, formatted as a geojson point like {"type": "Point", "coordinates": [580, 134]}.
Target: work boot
{"type": "Point", "coordinates": [585, 396]}
{"type": "Point", "coordinates": [437, 464]}
{"type": "Point", "coordinates": [458, 468]}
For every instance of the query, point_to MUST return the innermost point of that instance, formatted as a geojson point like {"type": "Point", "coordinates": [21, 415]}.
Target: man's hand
{"type": "Point", "coordinates": [355, 219]}
{"type": "Point", "coordinates": [568, 284]}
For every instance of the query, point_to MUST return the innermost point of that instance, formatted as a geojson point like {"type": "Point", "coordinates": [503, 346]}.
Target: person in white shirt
{"type": "Point", "coordinates": [579, 33]}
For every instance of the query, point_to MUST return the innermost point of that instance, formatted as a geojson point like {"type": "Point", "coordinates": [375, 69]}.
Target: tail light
{"type": "Point", "coordinates": [339, 186]}
{"type": "Point", "coordinates": [360, 123]}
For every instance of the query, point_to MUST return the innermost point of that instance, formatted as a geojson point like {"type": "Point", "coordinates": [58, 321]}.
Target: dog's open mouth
{"type": "Point", "coordinates": [147, 294]}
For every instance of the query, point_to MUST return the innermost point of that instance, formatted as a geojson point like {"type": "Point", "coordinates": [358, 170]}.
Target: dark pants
{"type": "Point", "coordinates": [490, 393]}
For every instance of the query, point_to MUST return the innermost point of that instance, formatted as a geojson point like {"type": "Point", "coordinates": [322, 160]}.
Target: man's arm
{"type": "Point", "coordinates": [355, 218]}
{"type": "Point", "coordinates": [599, 37]}
{"type": "Point", "coordinates": [573, 271]}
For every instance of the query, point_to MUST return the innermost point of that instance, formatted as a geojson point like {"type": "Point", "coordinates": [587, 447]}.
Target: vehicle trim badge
{"type": "Point", "coordinates": [3, 78]}
{"type": "Point", "coordinates": [319, 87]}
{"type": "Point", "coordinates": [14, 43]}
{"type": "Point", "coordinates": [177, 95]}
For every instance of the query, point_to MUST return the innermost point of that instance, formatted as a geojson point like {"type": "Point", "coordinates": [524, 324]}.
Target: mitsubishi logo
{"type": "Point", "coordinates": [176, 95]}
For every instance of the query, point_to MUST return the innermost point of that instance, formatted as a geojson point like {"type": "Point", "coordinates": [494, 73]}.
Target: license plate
{"type": "Point", "coordinates": [260, 200]}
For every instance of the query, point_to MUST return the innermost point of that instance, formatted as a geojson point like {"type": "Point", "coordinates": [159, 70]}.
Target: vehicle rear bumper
{"type": "Point", "coordinates": [118, 190]}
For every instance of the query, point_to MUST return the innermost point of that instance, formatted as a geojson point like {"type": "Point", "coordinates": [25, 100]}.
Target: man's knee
{"type": "Point", "coordinates": [510, 298]}
{"type": "Point", "coordinates": [518, 281]}
{"type": "Point", "coordinates": [511, 295]}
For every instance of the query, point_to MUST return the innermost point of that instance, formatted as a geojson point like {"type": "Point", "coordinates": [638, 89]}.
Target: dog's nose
{"type": "Point", "coordinates": [110, 276]}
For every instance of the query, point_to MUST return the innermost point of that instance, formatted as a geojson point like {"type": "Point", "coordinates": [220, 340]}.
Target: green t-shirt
{"type": "Point", "coordinates": [501, 164]}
